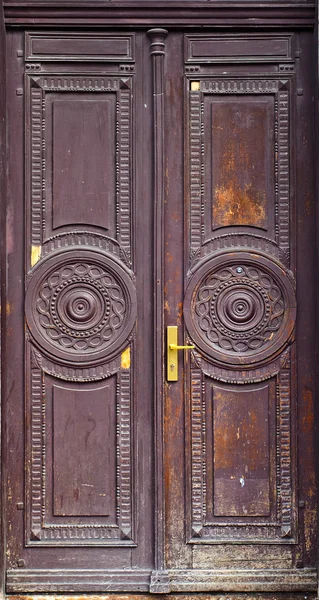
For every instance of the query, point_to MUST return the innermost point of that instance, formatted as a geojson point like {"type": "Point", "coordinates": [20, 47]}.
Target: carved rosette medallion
{"type": "Point", "coordinates": [240, 308]}
{"type": "Point", "coordinates": [80, 306]}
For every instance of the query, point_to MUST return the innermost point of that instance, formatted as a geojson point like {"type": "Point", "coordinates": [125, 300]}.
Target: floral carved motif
{"type": "Point", "coordinates": [240, 307]}
{"type": "Point", "coordinates": [80, 306]}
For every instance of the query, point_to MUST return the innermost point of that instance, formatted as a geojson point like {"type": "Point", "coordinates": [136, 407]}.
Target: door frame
{"type": "Point", "coordinates": [157, 16]}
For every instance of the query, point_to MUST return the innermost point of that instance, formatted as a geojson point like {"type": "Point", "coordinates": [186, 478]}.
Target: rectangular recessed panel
{"type": "Point", "coordinates": [41, 46]}
{"type": "Point", "coordinates": [84, 450]}
{"type": "Point", "coordinates": [241, 451]}
{"type": "Point", "coordinates": [244, 556]}
{"type": "Point", "coordinates": [232, 48]}
{"type": "Point", "coordinates": [83, 160]}
{"type": "Point", "coordinates": [242, 161]}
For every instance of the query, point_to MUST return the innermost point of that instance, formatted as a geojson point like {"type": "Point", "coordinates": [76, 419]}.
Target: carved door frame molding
{"type": "Point", "coordinates": [155, 16]}
{"type": "Point", "coordinates": [2, 270]}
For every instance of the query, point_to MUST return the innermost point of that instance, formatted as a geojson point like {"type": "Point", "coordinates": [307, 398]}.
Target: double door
{"type": "Point", "coordinates": [160, 179]}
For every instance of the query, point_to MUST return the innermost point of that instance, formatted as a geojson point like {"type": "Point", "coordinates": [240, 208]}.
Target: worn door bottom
{"type": "Point", "coordinates": [213, 596]}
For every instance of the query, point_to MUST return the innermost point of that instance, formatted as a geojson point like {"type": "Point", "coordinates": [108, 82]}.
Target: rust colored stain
{"type": "Point", "coordinates": [167, 307]}
{"type": "Point", "coordinates": [308, 418]}
{"type": "Point", "coordinates": [169, 257]}
{"type": "Point", "coordinates": [240, 154]}
{"type": "Point", "coordinates": [309, 205]}
{"type": "Point", "coordinates": [179, 309]}
{"type": "Point", "coordinates": [310, 528]}
{"type": "Point", "coordinates": [238, 206]}
{"type": "Point", "coordinates": [239, 439]}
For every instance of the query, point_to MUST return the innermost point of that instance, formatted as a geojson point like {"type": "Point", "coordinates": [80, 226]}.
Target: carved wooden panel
{"type": "Point", "coordinates": [79, 450]}
{"type": "Point", "coordinates": [236, 48]}
{"type": "Point", "coordinates": [77, 121]}
{"type": "Point", "coordinates": [80, 307]}
{"type": "Point", "coordinates": [241, 458]}
{"type": "Point", "coordinates": [80, 302]}
{"type": "Point", "coordinates": [241, 451]}
{"type": "Point", "coordinates": [67, 115]}
{"type": "Point", "coordinates": [79, 47]}
{"type": "Point", "coordinates": [239, 304]}
{"type": "Point", "coordinates": [240, 180]}
{"type": "Point", "coordinates": [271, 101]}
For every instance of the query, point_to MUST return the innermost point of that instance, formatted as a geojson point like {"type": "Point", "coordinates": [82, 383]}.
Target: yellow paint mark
{"type": "Point", "coordinates": [35, 254]}
{"type": "Point", "coordinates": [8, 309]}
{"type": "Point", "coordinates": [195, 86]}
{"type": "Point", "coordinates": [126, 358]}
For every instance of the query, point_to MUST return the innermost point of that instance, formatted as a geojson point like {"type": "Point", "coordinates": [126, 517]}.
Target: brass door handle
{"type": "Point", "coordinates": [172, 353]}
{"type": "Point", "coordinates": [174, 347]}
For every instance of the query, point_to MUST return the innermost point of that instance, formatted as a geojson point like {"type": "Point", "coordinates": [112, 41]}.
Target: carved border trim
{"type": "Point", "coordinates": [124, 483]}
{"type": "Point", "coordinates": [197, 452]}
{"type": "Point", "coordinates": [195, 172]}
{"type": "Point", "coordinates": [37, 464]}
{"type": "Point", "coordinates": [284, 445]}
{"type": "Point", "coordinates": [36, 166]}
{"type": "Point", "coordinates": [239, 86]}
{"type": "Point", "coordinates": [124, 170]}
{"type": "Point", "coordinates": [283, 171]}
{"type": "Point", "coordinates": [157, 53]}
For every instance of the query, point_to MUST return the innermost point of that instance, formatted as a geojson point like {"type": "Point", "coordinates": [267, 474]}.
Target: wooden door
{"type": "Point", "coordinates": [240, 510]}
{"type": "Point", "coordinates": [79, 416]}
{"type": "Point", "coordinates": [159, 179]}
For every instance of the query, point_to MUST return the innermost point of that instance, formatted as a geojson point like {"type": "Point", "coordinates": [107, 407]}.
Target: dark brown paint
{"type": "Point", "coordinates": [117, 481]}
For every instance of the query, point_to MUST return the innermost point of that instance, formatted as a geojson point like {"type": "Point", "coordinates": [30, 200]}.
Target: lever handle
{"type": "Point", "coordinates": [172, 354]}
{"type": "Point", "coordinates": [174, 347]}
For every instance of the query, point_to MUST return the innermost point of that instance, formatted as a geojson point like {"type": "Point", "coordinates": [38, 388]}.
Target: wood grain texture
{"type": "Point", "coordinates": [259, 48]}
{"type": "Point", "coordinates": [241, 452]}
{"type": "Point", "coordinates": [204, 486]}
{"type": "Point", "coordinates": [79, 47]}
{"type": "Point", "coordinates": [83, 162]}
{"type": "Point", "coordinates": [157, 39]}
{"type": "Point", "coordinates": [200, 596]}
{"type": "Point", "coordinates": [84, 442]}
{"type": "Point", "coordinates": [214, 190]}
{"type": "Point", "coordinates": [163, 11]}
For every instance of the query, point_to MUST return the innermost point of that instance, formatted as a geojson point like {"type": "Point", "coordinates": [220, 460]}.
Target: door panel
{"type": "Point", "coordinates": [80, 307]}
{"type": "Point", "coordinates": [240, 306]}
{"type": "Point", "coordinates": [83, 474]}
{"type": "Point", "coordinates": [241, 265]}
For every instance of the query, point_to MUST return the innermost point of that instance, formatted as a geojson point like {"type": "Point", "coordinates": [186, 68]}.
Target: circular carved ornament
{"type": "Point", "coordinates": [80, 306]}
{"type": "Point", "coordinates": [240, 308]}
